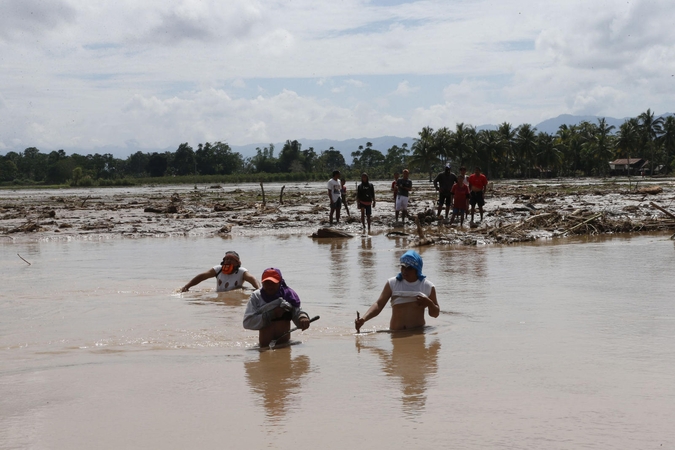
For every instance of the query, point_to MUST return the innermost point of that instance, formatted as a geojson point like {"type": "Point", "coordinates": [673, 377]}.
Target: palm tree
{"type": "Point", "coordinates": [563, 143]}
{"type": "Point", "coordinates": [600, 146]}
{"type": "Point", "coordinates": [488, 147]}
{"type": "Point", "coordinates": [443, 143]}
{"type": "Point", "coordinates": [424, 154]}
{"type": "Point", "coordinates": [627, 140]}
{"type": "Point", "coordinates": [667, 140]}
{"type": "Point", "coordinates": [506, 136]}
{"type": "Point", "coordinates": [548, 156]}
{"type": "Point", "coordinates": [462, 142]}
{"type": "Point", "coordinates": [526, 147]}
{"type": "Point", "coordinates": [650, 129]}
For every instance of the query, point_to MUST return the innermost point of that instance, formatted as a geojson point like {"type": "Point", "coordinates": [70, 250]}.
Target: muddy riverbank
{"type": "Point", "coordinates": [515, 211]}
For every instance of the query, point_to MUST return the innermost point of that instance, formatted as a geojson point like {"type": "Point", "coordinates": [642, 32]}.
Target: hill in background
{"type": "Point", "coordinates": [346, 147]}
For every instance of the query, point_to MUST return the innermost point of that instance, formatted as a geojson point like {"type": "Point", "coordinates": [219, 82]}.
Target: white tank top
{"type": "Point", "coordinates": [405, 292]}
{"type": "Point", "coordinates": [229, 282]}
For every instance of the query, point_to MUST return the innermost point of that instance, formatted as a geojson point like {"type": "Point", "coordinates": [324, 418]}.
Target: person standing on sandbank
{"type": "Point", "coordinates": [403, 189]}
{"type": "Point", "coordinates": [443, 184]}
{"type": "Point", "coordinates": [478, 184]}
{"type": "Point", "coordinates": [365, 198]}
{"type": "Point", "coordinates": [335, 196]}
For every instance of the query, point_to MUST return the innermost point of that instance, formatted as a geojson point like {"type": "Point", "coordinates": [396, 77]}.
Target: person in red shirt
{"type": "Point", "coordinates": [478, 184]}
{"type": "Point", "coordinates": [460, 205]}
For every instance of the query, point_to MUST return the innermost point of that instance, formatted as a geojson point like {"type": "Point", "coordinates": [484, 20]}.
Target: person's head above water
{"type": "Point", "coordinates": [274, 286]}
{"type": "Point", "coordinates": [413, 261]}
{"type": "Point", "coordinates": [231, 262]}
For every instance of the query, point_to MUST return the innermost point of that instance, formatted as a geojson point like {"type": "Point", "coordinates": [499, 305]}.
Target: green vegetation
{"type": "Point", "coordinates": [507, 152]}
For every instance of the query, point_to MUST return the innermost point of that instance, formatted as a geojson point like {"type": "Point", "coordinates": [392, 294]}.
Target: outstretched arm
{"type": "Point", "coordinates": [376, 308]}
{"type": "Point", "coordinates": [252, 280]}
{"type": "Point", "coordinates": [198, 279]}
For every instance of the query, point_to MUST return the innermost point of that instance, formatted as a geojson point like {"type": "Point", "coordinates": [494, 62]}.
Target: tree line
{"type": "Point", "coordinates": [506, 152]}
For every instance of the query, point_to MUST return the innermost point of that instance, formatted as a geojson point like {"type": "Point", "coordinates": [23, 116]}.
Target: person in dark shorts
{"type": "Point", "coordinates": [443, 184]}
{"type": "Point", "coordinates": [403, 188]}
{"type": "Point", "coordinates": [365, 199]}
{"type": "Point", "coordinates": [335, 196]}
{"type": "Point", "coordinates": [478, 184]}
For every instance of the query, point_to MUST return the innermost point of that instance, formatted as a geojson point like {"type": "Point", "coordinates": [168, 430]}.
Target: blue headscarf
{"type": "Point", "coordinates": [412, 259]}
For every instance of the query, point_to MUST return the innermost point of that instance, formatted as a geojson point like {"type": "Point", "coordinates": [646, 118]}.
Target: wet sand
{"type": "Point", "coordinates": [515, 211]}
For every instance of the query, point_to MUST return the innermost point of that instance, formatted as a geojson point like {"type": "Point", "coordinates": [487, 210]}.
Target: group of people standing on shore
{"type": "Point", "coordinates": [459, 192]}
{"type": "Point", "coordinates": [273, 304]}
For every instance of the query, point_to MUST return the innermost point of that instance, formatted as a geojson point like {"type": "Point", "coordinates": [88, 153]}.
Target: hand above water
{"type": "Point", "coordinates": [424, 301]}
{"type": "Point", "coordinates": [304, 323]}
{"type": "Point", "coordinates": [358, 322]}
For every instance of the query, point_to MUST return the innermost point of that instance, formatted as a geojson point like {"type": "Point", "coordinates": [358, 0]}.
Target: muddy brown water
{"type": "Point", "coordinates": [558, 345]}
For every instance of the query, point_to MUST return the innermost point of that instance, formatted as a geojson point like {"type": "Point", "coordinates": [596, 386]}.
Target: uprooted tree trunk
{"type": "Point", "coordinates": [663, 210]}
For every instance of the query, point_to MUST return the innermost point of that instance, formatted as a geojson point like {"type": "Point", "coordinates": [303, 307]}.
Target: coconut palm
{"type": "Point", "coordinates": [667, 140]}
{"type": "Point", "coordinates": [526, 147]}
{"type": "Point", "coordinates": [462, 143]}
{"type": "Point", "coordinates": [650, 129]}
{"type": "Point", "coordinates": [424, 154]}
{"type": "Point", "coordinates": [507, 136]}
{"type": "Point", "coordinates": [443, 143]}
{"type": "Point", "coordinates": [548, 155]}
{"type": "Point", "coordinates": [600, 146]}
{"type": "Point", "coordinates": [488, 148]}
{"type": "Point", "coordinates": [627, 140]}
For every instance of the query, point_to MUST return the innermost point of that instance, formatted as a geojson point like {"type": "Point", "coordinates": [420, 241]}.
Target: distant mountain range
{"type": "Point", "coordinates": [346, 147]}
{"type": "Point", "coordinates": [382, 144]}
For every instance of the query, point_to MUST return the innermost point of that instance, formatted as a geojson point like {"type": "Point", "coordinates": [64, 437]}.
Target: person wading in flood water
{"type": "Point", "coordinates": [271, 309]}
{"type": "Point", "coordinates": [410, 293]}
{"type": "Point", "coordinates": [229, 275]}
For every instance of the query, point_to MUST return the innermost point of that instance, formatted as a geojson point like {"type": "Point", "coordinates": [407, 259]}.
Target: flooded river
{"type": "Point", "coordinates": [560, 345]}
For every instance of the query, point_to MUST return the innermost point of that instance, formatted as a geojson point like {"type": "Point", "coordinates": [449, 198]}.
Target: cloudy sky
{"type": "Point", "coordinates": [155, 73]}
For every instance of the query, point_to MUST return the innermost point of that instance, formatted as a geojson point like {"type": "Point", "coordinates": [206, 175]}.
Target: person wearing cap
{"type": "Point", "coordinates": [335, 196]}
{"type": "Point", "coordinates": [229, 275]}
{"type": "Point", "coordinates": [365, 199]}
{"type": "Point", "coordinates": [443, 184]}
{"type": "Point", "coordinates": [271, 308]}
{"type": "Point", "coordinates": [410, 292]}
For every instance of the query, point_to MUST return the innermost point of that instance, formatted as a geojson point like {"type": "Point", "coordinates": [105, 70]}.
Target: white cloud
{"type": "Point", "coordinates": [238, 83]}
{"type": "Point", "coordinates": [404, 89]}
{"type": "Point", "coordinates": [31, 19]}
{"type": "Point", "coordinates": [109, 71]}
{"type": "Point", "coordinates": [355, 83]}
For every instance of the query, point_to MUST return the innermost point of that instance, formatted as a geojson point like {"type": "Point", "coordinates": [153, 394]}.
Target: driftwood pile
{"type": "Point", "coordinates": [554, 223]}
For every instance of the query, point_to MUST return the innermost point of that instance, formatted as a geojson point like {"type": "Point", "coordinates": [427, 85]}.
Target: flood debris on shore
{"type": "Point", "coordinates": [515, 211]}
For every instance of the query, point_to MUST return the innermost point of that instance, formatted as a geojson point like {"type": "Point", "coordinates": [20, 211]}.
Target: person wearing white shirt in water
{"type": "Point", "coordinates": [410, 293]}
{"type": "Point", "coordinates": [229, 275]}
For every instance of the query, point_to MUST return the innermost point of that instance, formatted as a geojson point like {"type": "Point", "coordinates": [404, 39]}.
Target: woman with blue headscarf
{"type": "Point", "coordinates": [410, 292]}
